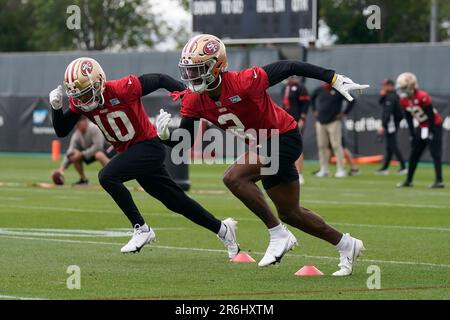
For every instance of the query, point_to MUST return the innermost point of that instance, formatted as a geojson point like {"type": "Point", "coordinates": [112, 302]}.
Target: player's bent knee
{"type": "Point", "coordinates": [104, 178]}
{"type": "Point", "coordinates": [232, 181]}
{"type": "Point", "coordinates": [99, 155]}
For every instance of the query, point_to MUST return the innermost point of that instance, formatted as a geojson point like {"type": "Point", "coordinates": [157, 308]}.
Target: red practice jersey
{"type": "Point", "coordinates": [122, 117]}
{"type": "Point", "coordinates": [417, 106]}
{"type": "Point", "coordinates": [243, 104]}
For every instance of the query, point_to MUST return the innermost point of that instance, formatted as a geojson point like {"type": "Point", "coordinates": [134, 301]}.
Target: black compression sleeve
{"type": "Point", "coordinates": [282, 70]}
{"type": "Point", "coordinates": [154, 81]}
{"type": "Point", "coordinates": [410, 122]}
{"type": "Point", "coordinates": [431, 121]}
{"type": "Point", "coordinates": [187, 124]}
{"type": "Point", "coordinates": [63, 122]}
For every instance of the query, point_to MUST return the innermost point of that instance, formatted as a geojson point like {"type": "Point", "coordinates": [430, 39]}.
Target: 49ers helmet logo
{"type": "Point", "coordinates": [211, 47]}
{"type": "Point", "coordinates": [86, 68]}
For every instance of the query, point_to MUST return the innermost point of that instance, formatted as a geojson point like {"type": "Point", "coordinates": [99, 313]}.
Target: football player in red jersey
{"type": "Point", "coordinates": [418, 105]}
{"type": "Point", "coordinates": [239, 101]}
{"type": "Point", "coordinates": [116, 107]}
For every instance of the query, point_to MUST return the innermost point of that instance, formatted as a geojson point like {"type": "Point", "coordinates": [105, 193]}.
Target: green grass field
{"type": "Point", "coordinates": [43, 231]}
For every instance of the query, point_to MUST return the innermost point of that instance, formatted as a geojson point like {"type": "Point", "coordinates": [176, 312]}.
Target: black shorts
{"type": "Point", "coordinates": [109, 153]}
{"type": "Point", "coordinates": [291, 148]}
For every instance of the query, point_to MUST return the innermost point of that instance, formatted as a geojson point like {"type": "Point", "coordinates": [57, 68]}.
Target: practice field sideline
{"type": "Point", "coordinates": [44, 231]}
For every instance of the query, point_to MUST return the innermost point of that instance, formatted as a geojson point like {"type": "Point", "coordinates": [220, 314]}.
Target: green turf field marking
{"type": "Point", "coordinates": [224, 251]}
{"type": "Point", "coordinates": [11, 198]}
{"type": "Point", "coordinates": [277, 293]}
{"type": "Point", "coordinates": [388, 226]}
{"type": "Point", "coordinates": [377, 204]}
{"type": "Point", "coordinates": [169, 215]}
{"type": "Point", "coordinates": [75, 233]}
{"type": "Point", "coordinates": [2, 296]}
{"type": "Point", "coordinates": [425, 192]}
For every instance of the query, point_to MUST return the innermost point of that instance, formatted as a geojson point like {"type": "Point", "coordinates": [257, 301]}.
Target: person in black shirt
{"type": "Point", "coordinates": [391, 117]}
{"type": "Point", "coordinates": [296, 102]}
{"type": "Point", "coordinates": [327, 105]}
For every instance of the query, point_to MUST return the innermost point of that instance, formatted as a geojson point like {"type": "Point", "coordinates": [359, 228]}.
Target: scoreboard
{"type": "Point", "coordinates": [257, 21]}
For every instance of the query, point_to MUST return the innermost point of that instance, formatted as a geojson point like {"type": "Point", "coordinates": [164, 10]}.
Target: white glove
{"type": "Point", "coordinates": [344, 85]}
{"type": "Point", "coordinates": [162, 124]}
{"type": "Point", "coordinates": [56, 98]}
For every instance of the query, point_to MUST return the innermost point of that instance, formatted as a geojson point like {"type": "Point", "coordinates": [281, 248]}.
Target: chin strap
{"type": "Point", "coordinates": [218, 84]}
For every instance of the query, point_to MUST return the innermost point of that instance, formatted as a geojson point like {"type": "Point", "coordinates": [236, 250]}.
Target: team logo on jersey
{"type": "Point", "coordinates": [211, 47]}
{"type": "Point", "coordinates": [235, 99]}
{"type": "Point", "coordinates": [86, 68]}
{"type": "Point", "coordinates": [114, 101]}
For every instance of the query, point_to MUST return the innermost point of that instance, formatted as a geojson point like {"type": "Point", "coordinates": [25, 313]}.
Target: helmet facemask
{"type": "Point", "coordinates": [89, 98]}
{"type": "Point", "coordinates": [406, 85]}
{"type": "Point", "coordinates": [404, 91]}
{"type": "Point", "coordinates": [198, 76]}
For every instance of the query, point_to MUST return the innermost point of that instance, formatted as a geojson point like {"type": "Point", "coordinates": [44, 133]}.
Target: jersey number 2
{"type": "Point", "coordinates": [112, 123]}
{"type": "Point", "coordinates": [418, 113]}
{"type": "Point", "coordinates": [238, 128]}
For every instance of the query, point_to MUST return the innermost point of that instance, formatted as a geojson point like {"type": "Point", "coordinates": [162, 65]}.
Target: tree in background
{"type": "Point", "coordinates": [401, 20]}
{"type": "Point", "coordinates": [14, 33]}
{"type": "Point", "coordinates": [444, 13]}
{"type": "Point", "coordinates": [40, 25]}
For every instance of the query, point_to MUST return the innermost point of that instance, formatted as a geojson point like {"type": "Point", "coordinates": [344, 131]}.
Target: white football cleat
{"type": "Point", "coordinates": [322, 174]}
{"type": "Point", "coordinates": [341, 174]}
{"type": "Point", "coordinates": [348, 257]}
{"type": "Point", "coordinates": [229, 239]}
{"type": "Point", "coordinates": [141, 236]}
{"type": "Point", "coordinates": [278, 247]}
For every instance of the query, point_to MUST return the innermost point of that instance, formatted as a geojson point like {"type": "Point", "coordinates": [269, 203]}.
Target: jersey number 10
{"type": "Point", "coordinates": [115, 128]}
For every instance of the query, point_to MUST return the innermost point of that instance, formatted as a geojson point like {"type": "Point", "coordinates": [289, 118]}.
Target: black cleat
{"type": "Point", "coordinates": [406, 184]}
{"type": "Point", "coordinates": [437, 185]}
{"type": "Point", "coordinates": [81, 183]}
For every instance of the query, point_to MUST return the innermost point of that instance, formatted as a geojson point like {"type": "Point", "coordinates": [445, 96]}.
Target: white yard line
{"type": "Point", "coordinates": [73, 233]}
{"type": "Point", "coordinates": [388, 226]}
{"type": "Point", "coordinates": [3, 296]}
{"type": "Point", "coordinates": [416, 263]}
{"type": "Point", "coordinates": [12, 198]}
{"type": "Point", "coordinates": [377, 204]}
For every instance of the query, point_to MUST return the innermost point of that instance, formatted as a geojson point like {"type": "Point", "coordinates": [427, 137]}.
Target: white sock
{"type": "Point", "coordinates": [222, 230]}
{"type": "Point", "coordinates": [344, 244]}
{"type": "Point", "coordinates": [277, 231]}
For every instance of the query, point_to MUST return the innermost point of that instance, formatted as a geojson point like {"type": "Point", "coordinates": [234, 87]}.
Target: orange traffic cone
{"type": "Point", "coordinates": [309, 271]}
{"type": "Point", "coordinates": [56, 150]}
{"type": "Point", "coordinates": [243, 257]}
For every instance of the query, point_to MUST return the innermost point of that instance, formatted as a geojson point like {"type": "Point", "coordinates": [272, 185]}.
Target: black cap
{"type": "Point", "coordinates": [388, 82]}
